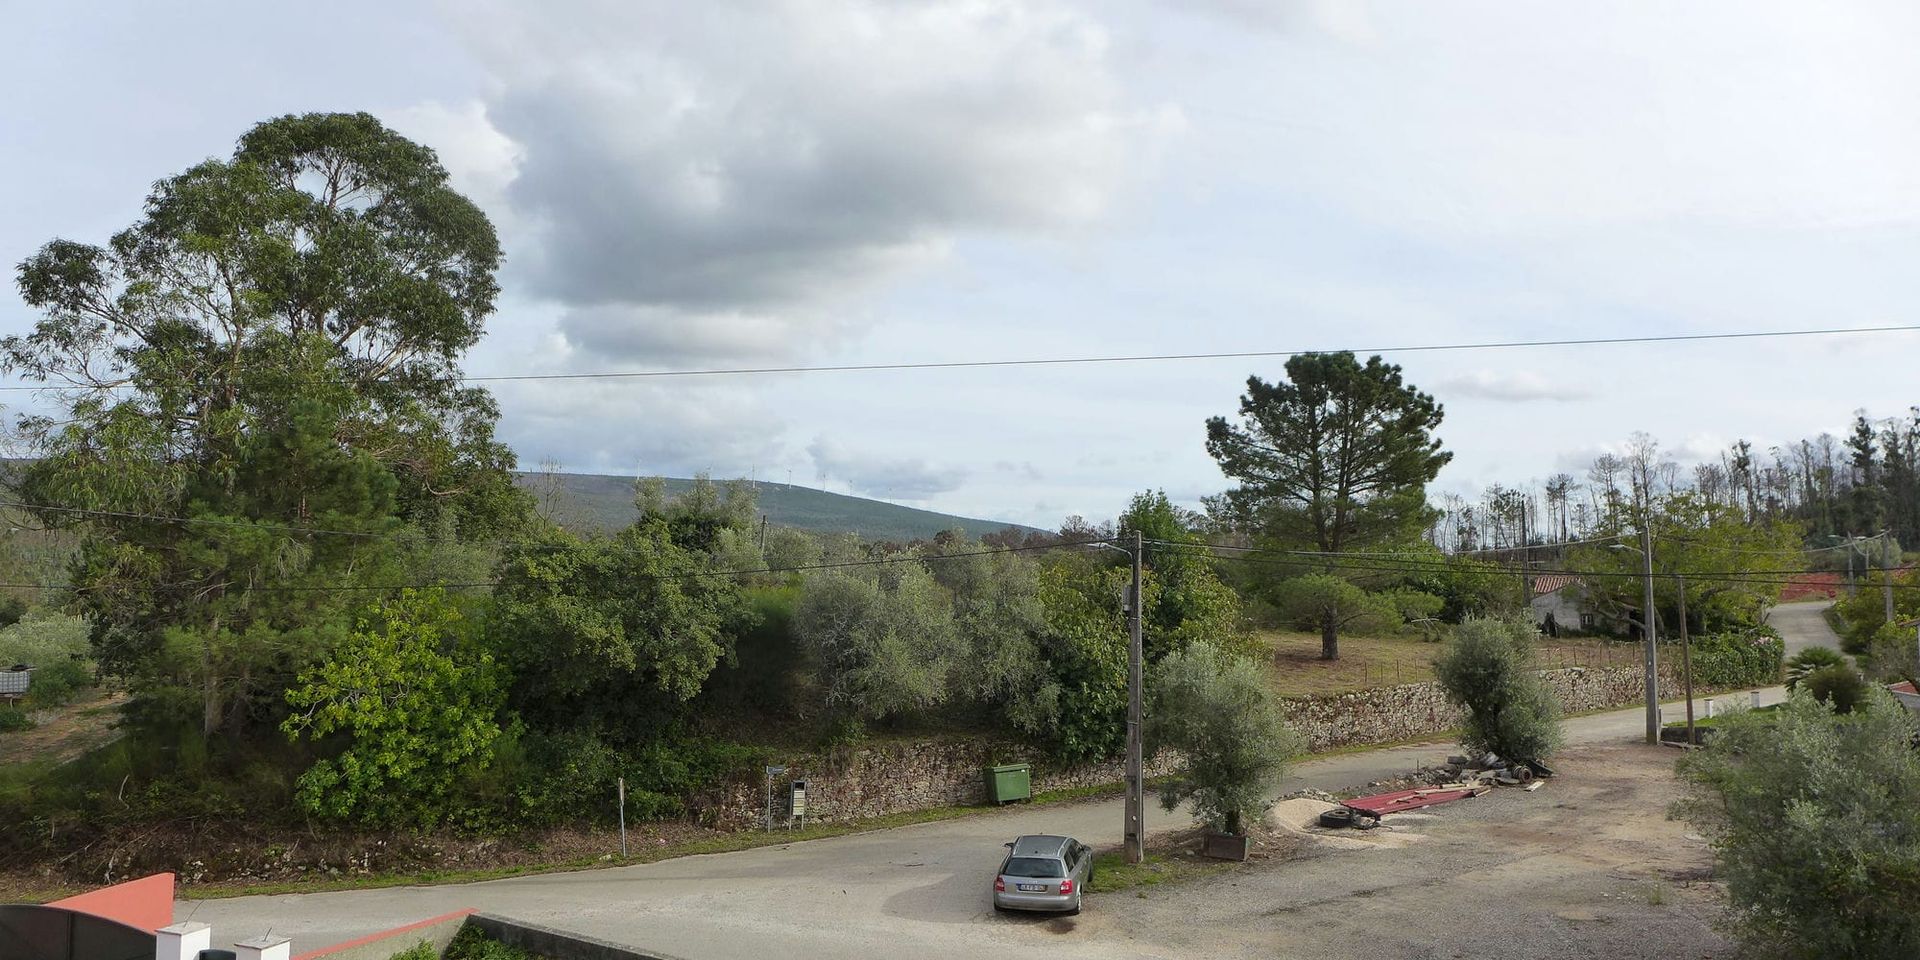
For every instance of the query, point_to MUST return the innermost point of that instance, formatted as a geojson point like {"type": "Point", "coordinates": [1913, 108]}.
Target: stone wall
{"type": "Point", "coordinates": [897, 776]}
{"type": "Point", "coordinates": [1413, 710]}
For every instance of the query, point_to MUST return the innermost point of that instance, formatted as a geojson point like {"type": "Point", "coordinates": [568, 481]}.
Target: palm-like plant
{"type": "Point", "coordinates": [1810, 660]}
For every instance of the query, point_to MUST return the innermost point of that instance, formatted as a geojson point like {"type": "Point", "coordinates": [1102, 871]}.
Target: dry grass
{"type": "Point", "coordinates": [1369, 662]}
{"type": "Point", "coordinates": [64, 733]}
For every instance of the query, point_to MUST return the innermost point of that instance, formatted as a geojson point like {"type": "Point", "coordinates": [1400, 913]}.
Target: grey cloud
{"type": "Point", "coordinates": [900, 479]}
{"type": "Point", "coordinates": [669, 335]}
{"type": "Point", "coordinates": [772, 159]}
{"type": "Point", "coordinates": [1024, 470]}
{"type": "Point", "coordinates": [624, 427]}
{"type": "Point", "coordinates": [1520, 386]}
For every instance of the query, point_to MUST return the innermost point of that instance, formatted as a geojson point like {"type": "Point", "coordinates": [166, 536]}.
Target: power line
{"type": "Point", "coordinates": [1083, 361]}
{"type": "Point", "coordinates": [1305, 558]}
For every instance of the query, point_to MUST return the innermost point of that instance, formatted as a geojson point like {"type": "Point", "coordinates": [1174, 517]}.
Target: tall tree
{"type": "Point", "coordinates": [272, 349]}
{"type": "Point", "coordinates": [1336, 457]}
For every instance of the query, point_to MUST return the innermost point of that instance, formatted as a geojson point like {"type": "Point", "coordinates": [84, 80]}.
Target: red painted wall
{"type": "Point", "coordinates": [146, 903]}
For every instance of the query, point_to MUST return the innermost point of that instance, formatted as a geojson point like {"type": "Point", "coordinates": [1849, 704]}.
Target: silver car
{"type": "Point", "coordinates": [1043, 873]}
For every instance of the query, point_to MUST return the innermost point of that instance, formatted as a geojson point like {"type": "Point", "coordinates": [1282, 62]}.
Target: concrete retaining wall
{"type": "Point", "coordinates": [551, 944]}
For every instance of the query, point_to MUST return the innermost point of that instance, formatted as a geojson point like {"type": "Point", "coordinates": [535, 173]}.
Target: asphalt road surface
{"type": "Point", "coordinates": [919, 891]}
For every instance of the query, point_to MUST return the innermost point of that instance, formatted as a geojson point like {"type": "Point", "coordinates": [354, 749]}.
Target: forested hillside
{"type": "Point", "coordinates": [592, 502]}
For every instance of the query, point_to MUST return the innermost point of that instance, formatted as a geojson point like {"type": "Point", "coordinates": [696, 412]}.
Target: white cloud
{"type": "Point", "coordinates": [908, 478]}
{"type": "Point", "coordinates": [1518, 386]}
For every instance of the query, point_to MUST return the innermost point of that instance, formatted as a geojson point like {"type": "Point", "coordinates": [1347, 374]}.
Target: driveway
{"type": "Point", "coordinates": [921, 891]}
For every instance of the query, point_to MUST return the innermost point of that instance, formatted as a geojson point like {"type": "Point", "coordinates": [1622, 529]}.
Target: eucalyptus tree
{"type": "Point", "coordinates": [271, 350]}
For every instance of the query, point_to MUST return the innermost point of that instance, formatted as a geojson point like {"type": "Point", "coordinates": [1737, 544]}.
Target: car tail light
{"type": "Point", "coordinates": [999, 884]}
{"type": "Point", "coordinates": [1066, 888]}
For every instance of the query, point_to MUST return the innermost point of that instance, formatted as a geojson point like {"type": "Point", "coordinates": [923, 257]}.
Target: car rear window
{"type": "Point", "coordinates": [1044, 867]}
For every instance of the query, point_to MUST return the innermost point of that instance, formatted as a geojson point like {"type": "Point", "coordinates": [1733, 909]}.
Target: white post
{"type": "Point", "coordinates": [181, 941]}
{"type": "Point", "coordinates": [264, 947]}
{"type": "Point", "coordinates": [1756, 700]}
{"type": "Point", "coordinates": [1709, 708]}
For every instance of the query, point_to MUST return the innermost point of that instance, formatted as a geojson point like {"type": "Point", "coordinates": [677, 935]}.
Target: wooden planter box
{"type": "Point", "coordinates": [1223, 846]}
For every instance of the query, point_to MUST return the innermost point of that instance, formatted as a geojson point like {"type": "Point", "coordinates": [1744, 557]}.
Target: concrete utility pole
{"type": "Point", "coordinates": [1135, 835]}
{"type": "Point", "coordinates": [1686, 657]}
{"type": "Point", "coordinates": [1652, 656]}
{"type": "Point", "coordinates": [1886, 570]}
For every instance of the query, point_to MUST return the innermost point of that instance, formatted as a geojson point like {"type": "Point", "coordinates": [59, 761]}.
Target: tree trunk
{"type": "Point", "coordinates": [209, 686]}
{"type": "Point", "coordinates": [1233, 822]}
{"type": "Point", "coordinates": [1329, 638]}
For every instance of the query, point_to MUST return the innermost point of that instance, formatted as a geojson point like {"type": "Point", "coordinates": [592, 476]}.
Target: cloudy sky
{"type": "Point", "coordinates": [730, 184]}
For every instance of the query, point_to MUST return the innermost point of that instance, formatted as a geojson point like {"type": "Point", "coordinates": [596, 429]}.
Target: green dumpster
{"type": "Point", "coordinates": [1008, 783]}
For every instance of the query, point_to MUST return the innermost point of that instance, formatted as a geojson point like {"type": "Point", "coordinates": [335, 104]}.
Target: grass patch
{"type": "Point", "coordinates": [723, 843]}
{"type": "Point", "coordinates": [1365, 663]}
{"type": "Point", "coordinates": [1721, 718]}
{"type": "Point", "coordinates": [1113, 874]}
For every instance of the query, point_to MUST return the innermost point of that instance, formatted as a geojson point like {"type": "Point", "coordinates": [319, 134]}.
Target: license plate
{"type": "Point", "coordinates": [1033, 887]}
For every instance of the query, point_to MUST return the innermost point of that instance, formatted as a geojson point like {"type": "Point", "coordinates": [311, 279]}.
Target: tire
{"type": "Point", "coordinates": [1337, 818]}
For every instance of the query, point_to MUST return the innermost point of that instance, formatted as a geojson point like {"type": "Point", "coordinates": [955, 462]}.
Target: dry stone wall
{"type": "Point", "coordinates": [899, 776]}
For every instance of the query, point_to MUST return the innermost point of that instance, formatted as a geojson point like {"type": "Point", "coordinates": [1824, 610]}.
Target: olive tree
{"type": "Point", "coordinates": [1815, 822]}
{"type": "Point", "coordinates": [1216, 710]}
{"type": "Point", "coordinates": [881, 640]}
{"type": "Point", "coordinates": [1488, 669]}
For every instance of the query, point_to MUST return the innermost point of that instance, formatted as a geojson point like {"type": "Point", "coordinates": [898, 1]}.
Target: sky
{"type": "Point", "coordinates": [748, 184]}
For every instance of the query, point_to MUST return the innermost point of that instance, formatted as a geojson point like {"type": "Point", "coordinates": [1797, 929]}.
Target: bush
{"type": "Point", "coordinates": [882, 640]}
{"type": "Point", "coordinates": [57, 683]}
{"type": "Point", "coordinates": [1891, 655]}
{"type": "Point", "coordinates": [1217, 710]}
{"type": "Point", "coordinates": [14, 719]}
{"type": "Point", "coordinates": [1488, 669]}
{"type": "Point", "coordinates": [1839, 686]}
{"type": "Point", "coordinates": [1815, 821]}
{"type": "Point", "coordinates": [472, 943]}
{"type": "Point", "coordinates": [1809, 660]}
{"type": "Point", "coordinates": [1737, 659]}
{"type": "Point", "coordinates": [538, 779]}
{"type": "Point", "coordinates": [418, 700]}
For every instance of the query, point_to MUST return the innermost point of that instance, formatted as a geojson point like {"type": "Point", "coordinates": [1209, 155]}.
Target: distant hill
{"type": "Point", "coordinates": [602, 502]}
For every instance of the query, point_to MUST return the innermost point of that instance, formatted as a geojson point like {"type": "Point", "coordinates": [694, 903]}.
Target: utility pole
{"type": "Point", "coordinates": [1686, 657]}
{"type": "Point", "coordinates": [1647, 631]}
{"type": "Point", "coordinates": [1886, 571]}
{"type": "Point", "coordinates": [1135, 834]}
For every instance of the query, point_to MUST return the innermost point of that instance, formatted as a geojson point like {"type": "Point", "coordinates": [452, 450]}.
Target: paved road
{"type": "Point", "coordinates": [1804, 625]}
{"type": "Point", "coordinates": [918, 891]}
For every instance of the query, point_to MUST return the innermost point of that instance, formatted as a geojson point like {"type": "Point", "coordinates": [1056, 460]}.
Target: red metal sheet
{"type": "Point", "coordinates": [1381, 804]}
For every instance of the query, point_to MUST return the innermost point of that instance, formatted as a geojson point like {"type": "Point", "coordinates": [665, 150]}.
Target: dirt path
{"type": "Point", "coordinates": [68, 732]}
{"type": "Point", "coordinates": [1588, 866]}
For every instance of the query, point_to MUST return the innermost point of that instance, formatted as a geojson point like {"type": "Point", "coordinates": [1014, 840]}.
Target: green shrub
{"type": "Point", "coordinates": [1736, 659]}
{"type": "Point", "coordinates": [1809, 660]}
{"type": "Point", "coordinates": [14, 719]}
{"type": "Point", "coordinates": [1815, 822]}
{"type": "Point", "coordinates": [1488, 669]}
{"type": "Point", "coordinates": [1840, 687]}
{"type": "Point", "coordinates": [472, 943]}
{"type": "Point", "coordinates": [1891, 654]}
{"type": "Point", "coordinates": [11, 610]}
{"type": "Point", "coordinates": [56, 683]}
{"type": "Point", "coordinates": [419, 951]}
{"type": "Point", "coordinates": [543, 779]}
